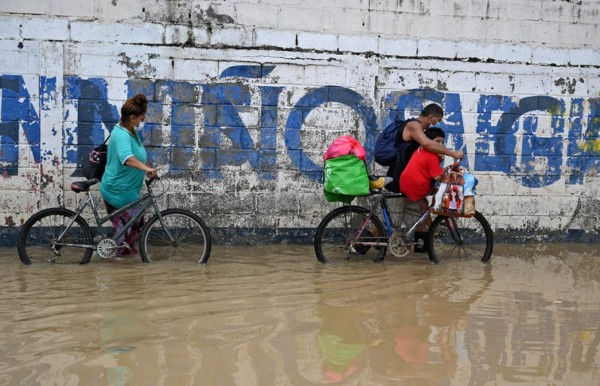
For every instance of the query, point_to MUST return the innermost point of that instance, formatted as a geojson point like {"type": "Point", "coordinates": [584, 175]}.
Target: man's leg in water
{"type": "Point", "coordinates": [408, 212]}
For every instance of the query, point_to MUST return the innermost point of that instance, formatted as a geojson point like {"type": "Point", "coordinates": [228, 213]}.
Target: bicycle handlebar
{"type": "Point", "coordinates": [456, 164]}
{"type": "Point", "coordinates": [150, 180]}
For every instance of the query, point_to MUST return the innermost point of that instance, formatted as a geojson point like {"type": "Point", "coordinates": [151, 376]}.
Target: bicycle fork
{"type": "Point", "coordinates": [162, 223]}
{"type": "Point", "coordinates": [453, 229]}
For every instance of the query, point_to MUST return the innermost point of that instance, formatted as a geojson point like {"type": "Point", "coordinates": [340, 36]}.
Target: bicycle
{"type": "Point", "coordinates": [354, 231]}
{"type": "Point", "coordinates": [60, 235]}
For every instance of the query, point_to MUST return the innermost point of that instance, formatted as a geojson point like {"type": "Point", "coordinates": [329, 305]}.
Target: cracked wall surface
{"type": "Point", "coordinates": [245, 96]}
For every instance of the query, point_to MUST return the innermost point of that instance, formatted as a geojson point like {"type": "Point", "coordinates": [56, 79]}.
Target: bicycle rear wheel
{"type": "Point", "coordinates": [338, 239]}
{"type": "Point", "coordinates": [460, 238]}
{"type": "Point", "coordinates": [184, 237]}
{"type": "Point", "coordinates": [40, 238]}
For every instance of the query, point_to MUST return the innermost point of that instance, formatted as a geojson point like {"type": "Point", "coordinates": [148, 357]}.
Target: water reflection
{"type": "Point", "coordinates": [274, 316]}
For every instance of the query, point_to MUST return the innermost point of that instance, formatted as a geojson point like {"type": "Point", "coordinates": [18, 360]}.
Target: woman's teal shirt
{"type": "Point", "coordinates": [122, 184]}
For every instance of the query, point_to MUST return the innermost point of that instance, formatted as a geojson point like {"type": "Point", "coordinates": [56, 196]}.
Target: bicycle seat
{"type": "Point", "coordinates": [83, 186]}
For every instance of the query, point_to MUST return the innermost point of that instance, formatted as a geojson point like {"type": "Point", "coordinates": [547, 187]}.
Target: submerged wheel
{"type": "Point", "coordinates": [460, 238]}
{"type": "Point", "coordinates": [184, 237]}
{"type": "Point", "coordinates": [337, 237]}
{"type": "Point", "coordinates": [45, 238]}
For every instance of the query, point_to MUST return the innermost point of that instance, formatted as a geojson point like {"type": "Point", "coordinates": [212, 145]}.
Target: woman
{"type": "Point", "coordinates": [127, 163]}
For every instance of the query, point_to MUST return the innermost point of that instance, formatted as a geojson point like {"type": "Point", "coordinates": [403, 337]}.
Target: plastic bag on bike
{"type": "Point", "coordinates": [344, 178]}
{"type": "Point", "coordinates": [454, 195]}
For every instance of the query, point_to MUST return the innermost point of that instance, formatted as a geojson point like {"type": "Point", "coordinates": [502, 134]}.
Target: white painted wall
{"type": "Point", "coordinates": [472, 53]}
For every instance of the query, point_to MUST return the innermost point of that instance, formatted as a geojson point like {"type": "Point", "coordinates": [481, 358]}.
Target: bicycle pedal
{"type": "Point", "coordinates": [419, 244]}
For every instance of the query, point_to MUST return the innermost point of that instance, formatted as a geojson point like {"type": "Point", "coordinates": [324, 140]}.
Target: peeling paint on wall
{"type": "Point", "coordinates": [509, 144]}
{"type": "Point", "coordinates": [245, 96]}
{"type": "Point", "coordinates": [567, 85]}
{"type": "Point", "coordinates": [212, 16]}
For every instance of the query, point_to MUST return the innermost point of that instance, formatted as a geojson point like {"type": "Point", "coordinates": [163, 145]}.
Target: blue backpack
{"type": "Point", "coordinates": [387, 145]}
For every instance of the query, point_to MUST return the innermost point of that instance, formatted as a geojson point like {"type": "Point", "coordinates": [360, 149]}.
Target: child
{"type": "Point", "coordinates": [416, 182]}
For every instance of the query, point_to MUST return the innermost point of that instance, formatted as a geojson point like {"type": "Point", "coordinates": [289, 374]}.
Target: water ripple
{"type": "Point", "coordinates": [274, 315]}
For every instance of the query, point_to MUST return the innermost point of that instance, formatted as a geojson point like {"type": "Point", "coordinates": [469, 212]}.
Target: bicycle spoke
{"type": "Point", "coordinates": [349, 233]}
{"type": "Point", "coordinates": [183, 237]}
{"type": "Point", "coordinates": [460, 238]}
{"type": "Point", "coordinates": [44, 238]}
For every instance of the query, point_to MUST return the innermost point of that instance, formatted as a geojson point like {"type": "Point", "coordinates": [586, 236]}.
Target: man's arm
{"type": "Point", "coordinates": [416, 133]}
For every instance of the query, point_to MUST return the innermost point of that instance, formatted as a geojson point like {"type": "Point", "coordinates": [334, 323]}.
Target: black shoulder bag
{"type": "Point", "coordinates": [95, 163]}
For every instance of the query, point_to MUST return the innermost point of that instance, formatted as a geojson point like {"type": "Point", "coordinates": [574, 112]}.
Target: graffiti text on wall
{"type": "Point", "coordinates": [509, 136]}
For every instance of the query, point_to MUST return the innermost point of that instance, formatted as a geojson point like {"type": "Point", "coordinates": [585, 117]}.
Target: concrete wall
{"type": "Point", "coordinates": [247, 95]}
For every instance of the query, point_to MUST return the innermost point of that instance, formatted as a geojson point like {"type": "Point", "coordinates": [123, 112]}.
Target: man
{"type": "Point", "coordinates": [413, 135]}
{"type": "Point", "coordinates": [431, 115]}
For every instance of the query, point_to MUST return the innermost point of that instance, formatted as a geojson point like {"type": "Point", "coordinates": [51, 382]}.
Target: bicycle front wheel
{"type": "Point", "coordinates": [460, 238]}
{"type": "Point", "coordinates": [350, 232]}
{"type": "Point", "coordinates": [47, 237]}
{"type": "Point", "coordinates": [184, 237]}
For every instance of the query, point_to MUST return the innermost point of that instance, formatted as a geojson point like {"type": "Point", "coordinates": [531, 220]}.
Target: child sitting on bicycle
{"type": "Point", "coordinates": [416, 182]}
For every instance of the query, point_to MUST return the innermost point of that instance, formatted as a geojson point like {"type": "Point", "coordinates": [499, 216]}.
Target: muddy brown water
{"type": "Point", "coordinates": [273, 315]}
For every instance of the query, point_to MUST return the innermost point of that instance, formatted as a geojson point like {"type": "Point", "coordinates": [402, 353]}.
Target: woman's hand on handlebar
{"type": "Point", "coordinates": [151, 172]}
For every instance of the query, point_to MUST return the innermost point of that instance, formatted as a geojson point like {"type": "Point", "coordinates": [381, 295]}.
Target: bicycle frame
{"type": "Point", "coordinates": [388, 221]}
{"type": "Point", "coordinates": [387, 218]}
{"type": "Point", "coordinates": [147, 200]}
{"type": "Point", "coordinates": [385, 211]}
{"type": "Point", "coordinates": [450, 220]}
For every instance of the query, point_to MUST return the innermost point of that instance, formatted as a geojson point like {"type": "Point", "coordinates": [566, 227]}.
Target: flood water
{"type": "Point", "coordinates": [273, 315]}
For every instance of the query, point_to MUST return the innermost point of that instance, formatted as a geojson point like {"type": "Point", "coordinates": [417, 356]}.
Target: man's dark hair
{"type": "Point", "coordinates": [434, 109]}
{"type": "Point", "coordinates": [434, 132]}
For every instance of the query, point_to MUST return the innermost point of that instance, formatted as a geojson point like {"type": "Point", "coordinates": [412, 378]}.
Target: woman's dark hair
{"type": "Point", "coordinates": [434, 109]}
{"type": "Point", "coordinates": [434, 132]}
{"type": "Point", "coordinates": [134, 106]}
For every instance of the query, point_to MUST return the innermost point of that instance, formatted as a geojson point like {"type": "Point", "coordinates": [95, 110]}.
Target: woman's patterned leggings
{"type": "Point", "coordinates": [132, 234]}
